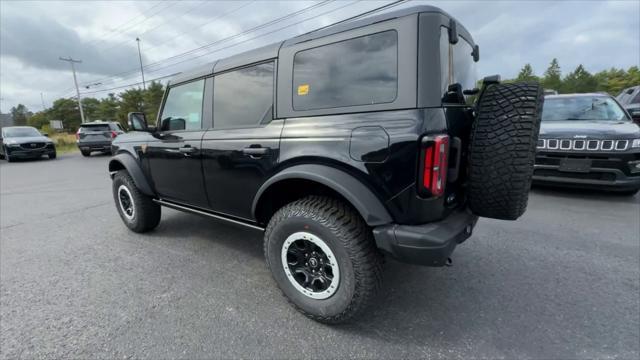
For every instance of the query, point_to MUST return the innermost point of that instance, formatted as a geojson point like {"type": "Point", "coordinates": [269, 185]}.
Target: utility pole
{"type": "Point", "coordinates": [42, 98]}
{"type": "Point", "coordinates": [75, 81]}
{"type": "Point", "coordinates": [144, 86]}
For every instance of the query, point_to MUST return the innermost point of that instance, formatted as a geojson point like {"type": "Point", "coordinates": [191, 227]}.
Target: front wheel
{"type": "Point", "coordinates": [323, 257]}
{"type": "Point", "coordinates": [137, 210]}
{"type": "Point", "coordinates": [85, 153]}
{"type": "Point", "coordinates": [52, 155]}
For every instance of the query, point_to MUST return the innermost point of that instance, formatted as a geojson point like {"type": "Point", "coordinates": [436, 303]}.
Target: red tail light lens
{"type": "Point", "coordinates": [435, 164]}
{"type": "Point", "coordinates": [78, 134]}
{"type": "Point", "coordinates": [114, 134]}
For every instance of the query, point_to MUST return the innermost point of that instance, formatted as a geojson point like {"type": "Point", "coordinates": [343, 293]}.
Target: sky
{"type": "Point", "coordinates": [510, 33]}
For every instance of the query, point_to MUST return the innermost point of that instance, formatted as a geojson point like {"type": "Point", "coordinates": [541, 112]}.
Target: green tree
{"type": "Point", "coordinates": [38, 120]}
{"type": "Point", "coordinates": [526, 74]}
{"type": "Point", "coordinates": [108, 108]}
{"type": "Point", "coordinates": [552, 76]}
{"type": "Point", "coordinates": [66, 110]}
{"type": "Point", "coordinates": [20, 114]}
{"type": "Point", "coordinates": [152, 99]}
{"type": "Point", "coordinates": [579, 81]}
{"type": "Point", "coordinates": [131, 100]}
{"type": "Point", "coordinates": [91, 109]}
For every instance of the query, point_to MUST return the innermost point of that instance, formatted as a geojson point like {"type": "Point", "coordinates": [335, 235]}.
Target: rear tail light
{"type": "Point", "coordinates": [78, 134]}
{"type": "Point", "coordinates": [434, 161]}
{"type": "Point", "coordinates": [114, 134]}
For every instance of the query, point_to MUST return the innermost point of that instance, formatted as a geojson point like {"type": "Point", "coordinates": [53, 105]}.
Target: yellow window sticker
{"type": "Point", "coordinates": [303, 89]}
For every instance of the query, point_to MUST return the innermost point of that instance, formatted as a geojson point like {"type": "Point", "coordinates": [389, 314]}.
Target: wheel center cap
{"type": "Point", "coordinates": [313, 262]}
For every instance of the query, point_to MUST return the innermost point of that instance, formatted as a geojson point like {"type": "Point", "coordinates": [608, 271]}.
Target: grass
{"type": "Point", "coordinates": [65, 143]}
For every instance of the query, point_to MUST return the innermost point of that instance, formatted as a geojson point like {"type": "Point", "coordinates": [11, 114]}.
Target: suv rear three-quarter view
{"type": "Point", "coordinates": [361, 140]}
{"type": "Point", "coordinates": [97, 136]}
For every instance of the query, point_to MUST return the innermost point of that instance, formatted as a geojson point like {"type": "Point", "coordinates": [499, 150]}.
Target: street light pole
{"type": "Point", "coordinates": [42, 98]}
{"type": "Point", "coordinates": [144, 86]}
{"type": "Point", "coordinates": [75, 81]}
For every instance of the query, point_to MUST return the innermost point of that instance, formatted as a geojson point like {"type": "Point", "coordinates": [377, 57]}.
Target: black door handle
{"type": "Point", "coordinates": [187, 150]}
{"type": "Point", "coordinates": [255, 151]}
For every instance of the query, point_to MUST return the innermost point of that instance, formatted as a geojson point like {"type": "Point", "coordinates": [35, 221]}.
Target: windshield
{"type": "Point", "coordinates": [21, 132]}
{"type": "Point", "coordinates": [601, 108]}
{"type": "Point", "coordinates": [88, 128]}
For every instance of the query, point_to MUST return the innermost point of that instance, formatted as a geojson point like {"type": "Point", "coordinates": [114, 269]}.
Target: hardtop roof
{"type": "Point", "coordinates": [271, 51]}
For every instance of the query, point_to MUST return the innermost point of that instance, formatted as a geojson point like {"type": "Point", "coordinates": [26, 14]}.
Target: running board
{"type": "Point", "coordinates": [207, 214]}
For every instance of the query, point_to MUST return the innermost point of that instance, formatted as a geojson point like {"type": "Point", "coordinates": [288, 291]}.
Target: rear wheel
{"type": "Point", "coordinates": [502, 149]}
{"type": "Point", "coordinates": [137, 210]}
{"type": "Point", "coordinates": [322, 256]}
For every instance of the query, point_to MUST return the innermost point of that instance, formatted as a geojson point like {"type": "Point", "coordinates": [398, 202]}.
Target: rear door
{"type": "Point", "coordinates": [174, 157]}
{"type": "Point", "coordinates": [241, 149]}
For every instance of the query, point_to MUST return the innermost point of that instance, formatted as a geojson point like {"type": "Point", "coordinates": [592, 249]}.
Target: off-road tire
{"type": "Point", "coordinates": [85, 153]}
{"type": "Point", "coordinates": [502, 149]}
{"type": "Point", "coordinates": [348, 237]}
{"type": "Point", "coordinates": [146, 214]}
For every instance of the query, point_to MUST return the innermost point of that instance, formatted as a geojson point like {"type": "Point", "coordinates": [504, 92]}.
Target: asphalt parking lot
{"type": "Point", "coordinates": [562, 282]}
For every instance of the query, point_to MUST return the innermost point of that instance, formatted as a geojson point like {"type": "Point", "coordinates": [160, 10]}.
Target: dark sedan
{"type": "Point", "coordinates": [25, 142]}
{"type": "Point", "coordinates": [589, 141]}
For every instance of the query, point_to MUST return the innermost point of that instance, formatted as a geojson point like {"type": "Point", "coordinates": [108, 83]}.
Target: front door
{"type": "Point", "coordinates": [175, 156]}
{"type": "Point", "coordinates": [242, 148]}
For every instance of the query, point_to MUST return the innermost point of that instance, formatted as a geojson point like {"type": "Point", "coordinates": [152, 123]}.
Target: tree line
{"type": "Point", "coordinates": [113, 107]}
{"type": "Point", "coordinates": [611, 81]}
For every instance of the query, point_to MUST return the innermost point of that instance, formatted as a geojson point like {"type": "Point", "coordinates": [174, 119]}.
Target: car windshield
{"type": "Point", "coordinates": [88, 128]}
{"type": "Point", "coordinates": [601, 108]}
{"type": "Point", "coordinates": [21, 132]}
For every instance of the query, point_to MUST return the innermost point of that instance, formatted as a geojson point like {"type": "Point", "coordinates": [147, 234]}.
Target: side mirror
{"type": "Point", "coordinates": [137, 121]}
{"type": "Point", "coordinates": [453, 32]}
{"type": "Point", "coordinates": [476, 53]}
{"type": "Point", "coordinates": [172, 124]}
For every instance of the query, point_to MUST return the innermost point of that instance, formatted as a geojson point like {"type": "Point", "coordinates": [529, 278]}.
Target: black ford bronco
{"type": "Point", "coordinates": [364, 139]}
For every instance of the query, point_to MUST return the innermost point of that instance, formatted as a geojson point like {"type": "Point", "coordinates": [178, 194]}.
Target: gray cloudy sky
{"type": "Point", "coordinates": [33, 34]}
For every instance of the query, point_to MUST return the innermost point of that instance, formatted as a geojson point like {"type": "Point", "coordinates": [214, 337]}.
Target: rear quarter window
{"type": "Point", "coordinates": [358, 71]}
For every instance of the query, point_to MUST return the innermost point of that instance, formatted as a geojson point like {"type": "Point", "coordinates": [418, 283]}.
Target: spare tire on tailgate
{"type": "Point", "coordinates": [502, 149]}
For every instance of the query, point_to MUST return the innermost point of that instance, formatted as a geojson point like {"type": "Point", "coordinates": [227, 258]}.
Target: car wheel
{"type": "Point", "coordinates": [53, 155]}
{"type": "Point", "coordinates": [323, 257]}
{"type": "Point", "coordinates": [137, 210]}
{"type": "Point", "coordinates": [85, 153]}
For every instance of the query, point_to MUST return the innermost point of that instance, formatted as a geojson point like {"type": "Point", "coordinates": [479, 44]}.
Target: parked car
{"type": "Point", "coordinates": [589, 141]}
{"type": "Point", "coordinates": [630, 99]}
{"type": "Point", "coordinates": [97, 136]}
{"type": "Point", "coordinates": [342, 145]}
{"type": "Point", "coordinates": [25, 142]}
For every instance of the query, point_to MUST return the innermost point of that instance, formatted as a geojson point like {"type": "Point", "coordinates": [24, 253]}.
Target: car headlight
{"type": "Point", "coordinates": [12, 143]}
{"type": "Point", "coordinates": [635, 143]}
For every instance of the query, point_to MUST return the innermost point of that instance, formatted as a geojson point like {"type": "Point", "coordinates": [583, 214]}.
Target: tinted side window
{"type": "Point", "coordinates": [359, 71]}
{"type": "Point", "coordinates": [243, 97]}
{"type": "Point", "coordinates": [183, 107]}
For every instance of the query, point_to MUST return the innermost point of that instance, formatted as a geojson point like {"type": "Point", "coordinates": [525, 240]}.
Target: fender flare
{"type": "Point", "coordinates": [366, 203]}
{"type": "Point", "coordinates": [133, 168]}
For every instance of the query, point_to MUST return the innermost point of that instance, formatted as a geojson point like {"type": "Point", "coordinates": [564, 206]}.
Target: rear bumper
{"type": "Point", "coordinates": [616, 179]}
{"type": "Point", "coordinates": [95, 146]}
{"type": "Point", "coordinates": [428, 244]}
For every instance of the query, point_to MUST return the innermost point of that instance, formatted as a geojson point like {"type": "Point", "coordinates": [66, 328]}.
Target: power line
{"type": "Point", "coordinates": [244, 32]}
{"type": "Point", "coordinates": [209, 21]}
{"type": "Point", "coordinates": [124, 86]}
{"type": "Point", "coordinates": [203, 2]}
{"type": "Point", "coordinates": [385, 7]}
